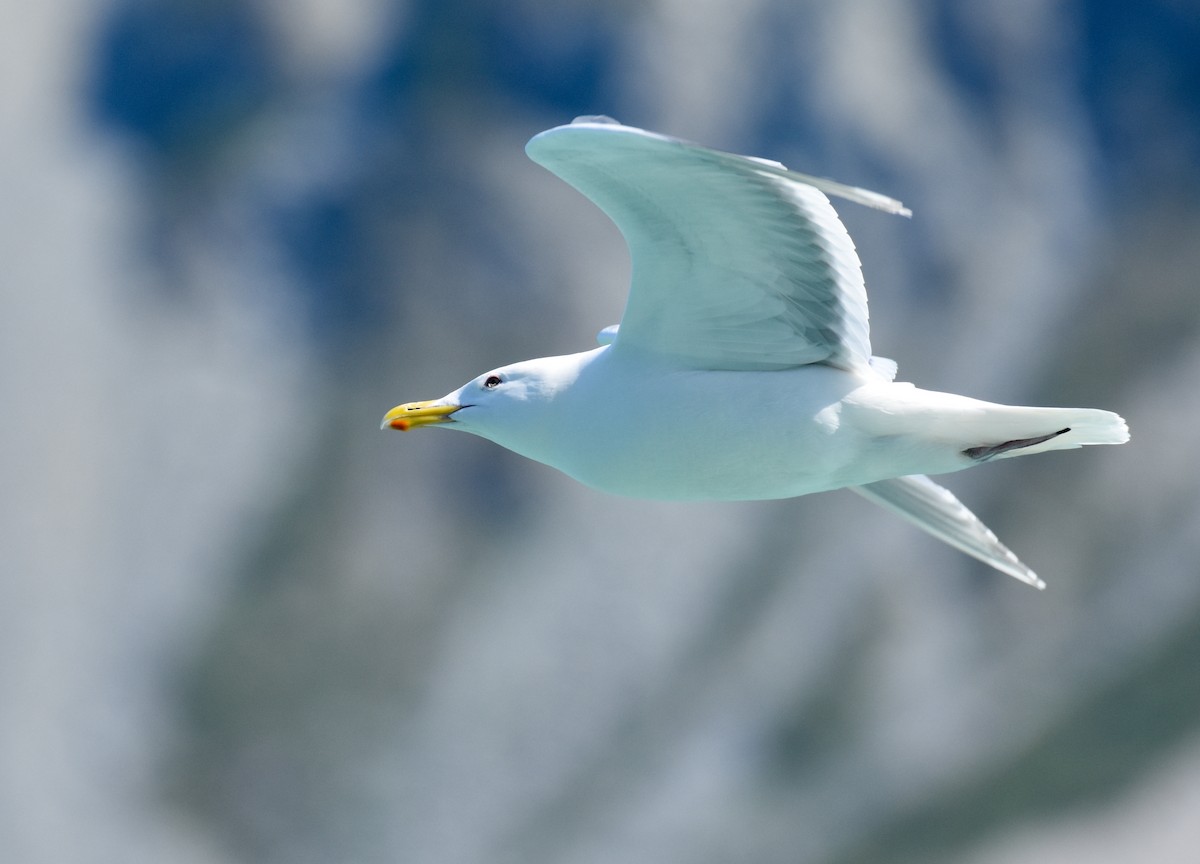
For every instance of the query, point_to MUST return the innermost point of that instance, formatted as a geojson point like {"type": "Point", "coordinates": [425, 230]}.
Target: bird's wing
{"type": "Point", "coordinates": [934, 508]}
{"type": "Point", "coordinates": [738, 263]}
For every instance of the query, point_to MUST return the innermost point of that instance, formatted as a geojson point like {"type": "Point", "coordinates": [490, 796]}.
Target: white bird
{"type": "Point", "coordinates": [742, 365]}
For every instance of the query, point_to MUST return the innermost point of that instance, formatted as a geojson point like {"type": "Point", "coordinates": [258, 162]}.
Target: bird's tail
{"type": "Point", "coordinates": [1017, 431]}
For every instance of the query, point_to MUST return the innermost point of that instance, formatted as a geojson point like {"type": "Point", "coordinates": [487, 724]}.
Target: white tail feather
{"type": "Point", "coordinates": [1086, 426]}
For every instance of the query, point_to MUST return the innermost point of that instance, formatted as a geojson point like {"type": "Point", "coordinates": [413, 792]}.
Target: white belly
{"type": "Point", "coordinates": [684, 435]}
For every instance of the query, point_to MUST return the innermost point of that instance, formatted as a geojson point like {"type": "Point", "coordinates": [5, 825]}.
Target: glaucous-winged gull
{"type": "Point", "coordinates": [742, 365]}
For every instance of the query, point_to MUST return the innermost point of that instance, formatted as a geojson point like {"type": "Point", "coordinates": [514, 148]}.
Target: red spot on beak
{"type": "Point", "coordinates": [402, 425]}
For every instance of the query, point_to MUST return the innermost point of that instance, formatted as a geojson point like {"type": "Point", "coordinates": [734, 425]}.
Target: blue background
{"type": "Point", "coordinates": [240, 624]}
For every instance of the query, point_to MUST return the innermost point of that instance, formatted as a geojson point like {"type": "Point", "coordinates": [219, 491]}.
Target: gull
{"type": "Point", "coordinates": [742, 366]}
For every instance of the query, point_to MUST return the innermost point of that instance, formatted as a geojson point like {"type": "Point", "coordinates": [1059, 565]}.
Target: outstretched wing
{"type": "Point", "coordinates": [738, 263]}
{"type": "Point", "coordinates": [934, 508]}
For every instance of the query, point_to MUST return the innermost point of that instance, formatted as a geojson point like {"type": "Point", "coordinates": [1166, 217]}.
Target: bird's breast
{"type": "Point", "coordinates": [706, 435]}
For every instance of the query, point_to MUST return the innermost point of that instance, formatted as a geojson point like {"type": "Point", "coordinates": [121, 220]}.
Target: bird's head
{"type": "Point", "coordinates": [512, 405]}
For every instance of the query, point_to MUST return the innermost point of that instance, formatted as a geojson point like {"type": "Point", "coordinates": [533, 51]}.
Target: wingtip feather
{"type": "Point", "coordinates": [609, 125]}
{"type": "Point", "coordinates": [935, 509]}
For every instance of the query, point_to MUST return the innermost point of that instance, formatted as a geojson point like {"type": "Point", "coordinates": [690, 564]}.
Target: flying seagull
{"type": "Point", "coordinates": [742, 365]}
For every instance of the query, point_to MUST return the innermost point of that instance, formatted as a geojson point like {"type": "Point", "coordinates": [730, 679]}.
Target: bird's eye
{"type": "Point", "coordinates": [492, 382]}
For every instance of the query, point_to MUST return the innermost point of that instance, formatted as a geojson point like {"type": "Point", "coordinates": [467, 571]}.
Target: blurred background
{"type": "Point", "coordinates": [238, 623]}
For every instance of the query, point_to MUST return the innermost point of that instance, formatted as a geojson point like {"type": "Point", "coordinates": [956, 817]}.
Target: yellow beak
{"type": "Point", "coordinates": [410, 415]}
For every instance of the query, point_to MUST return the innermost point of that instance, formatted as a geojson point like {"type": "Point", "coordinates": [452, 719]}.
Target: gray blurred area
{"type": "Point", "coordinates": [238, 623]}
